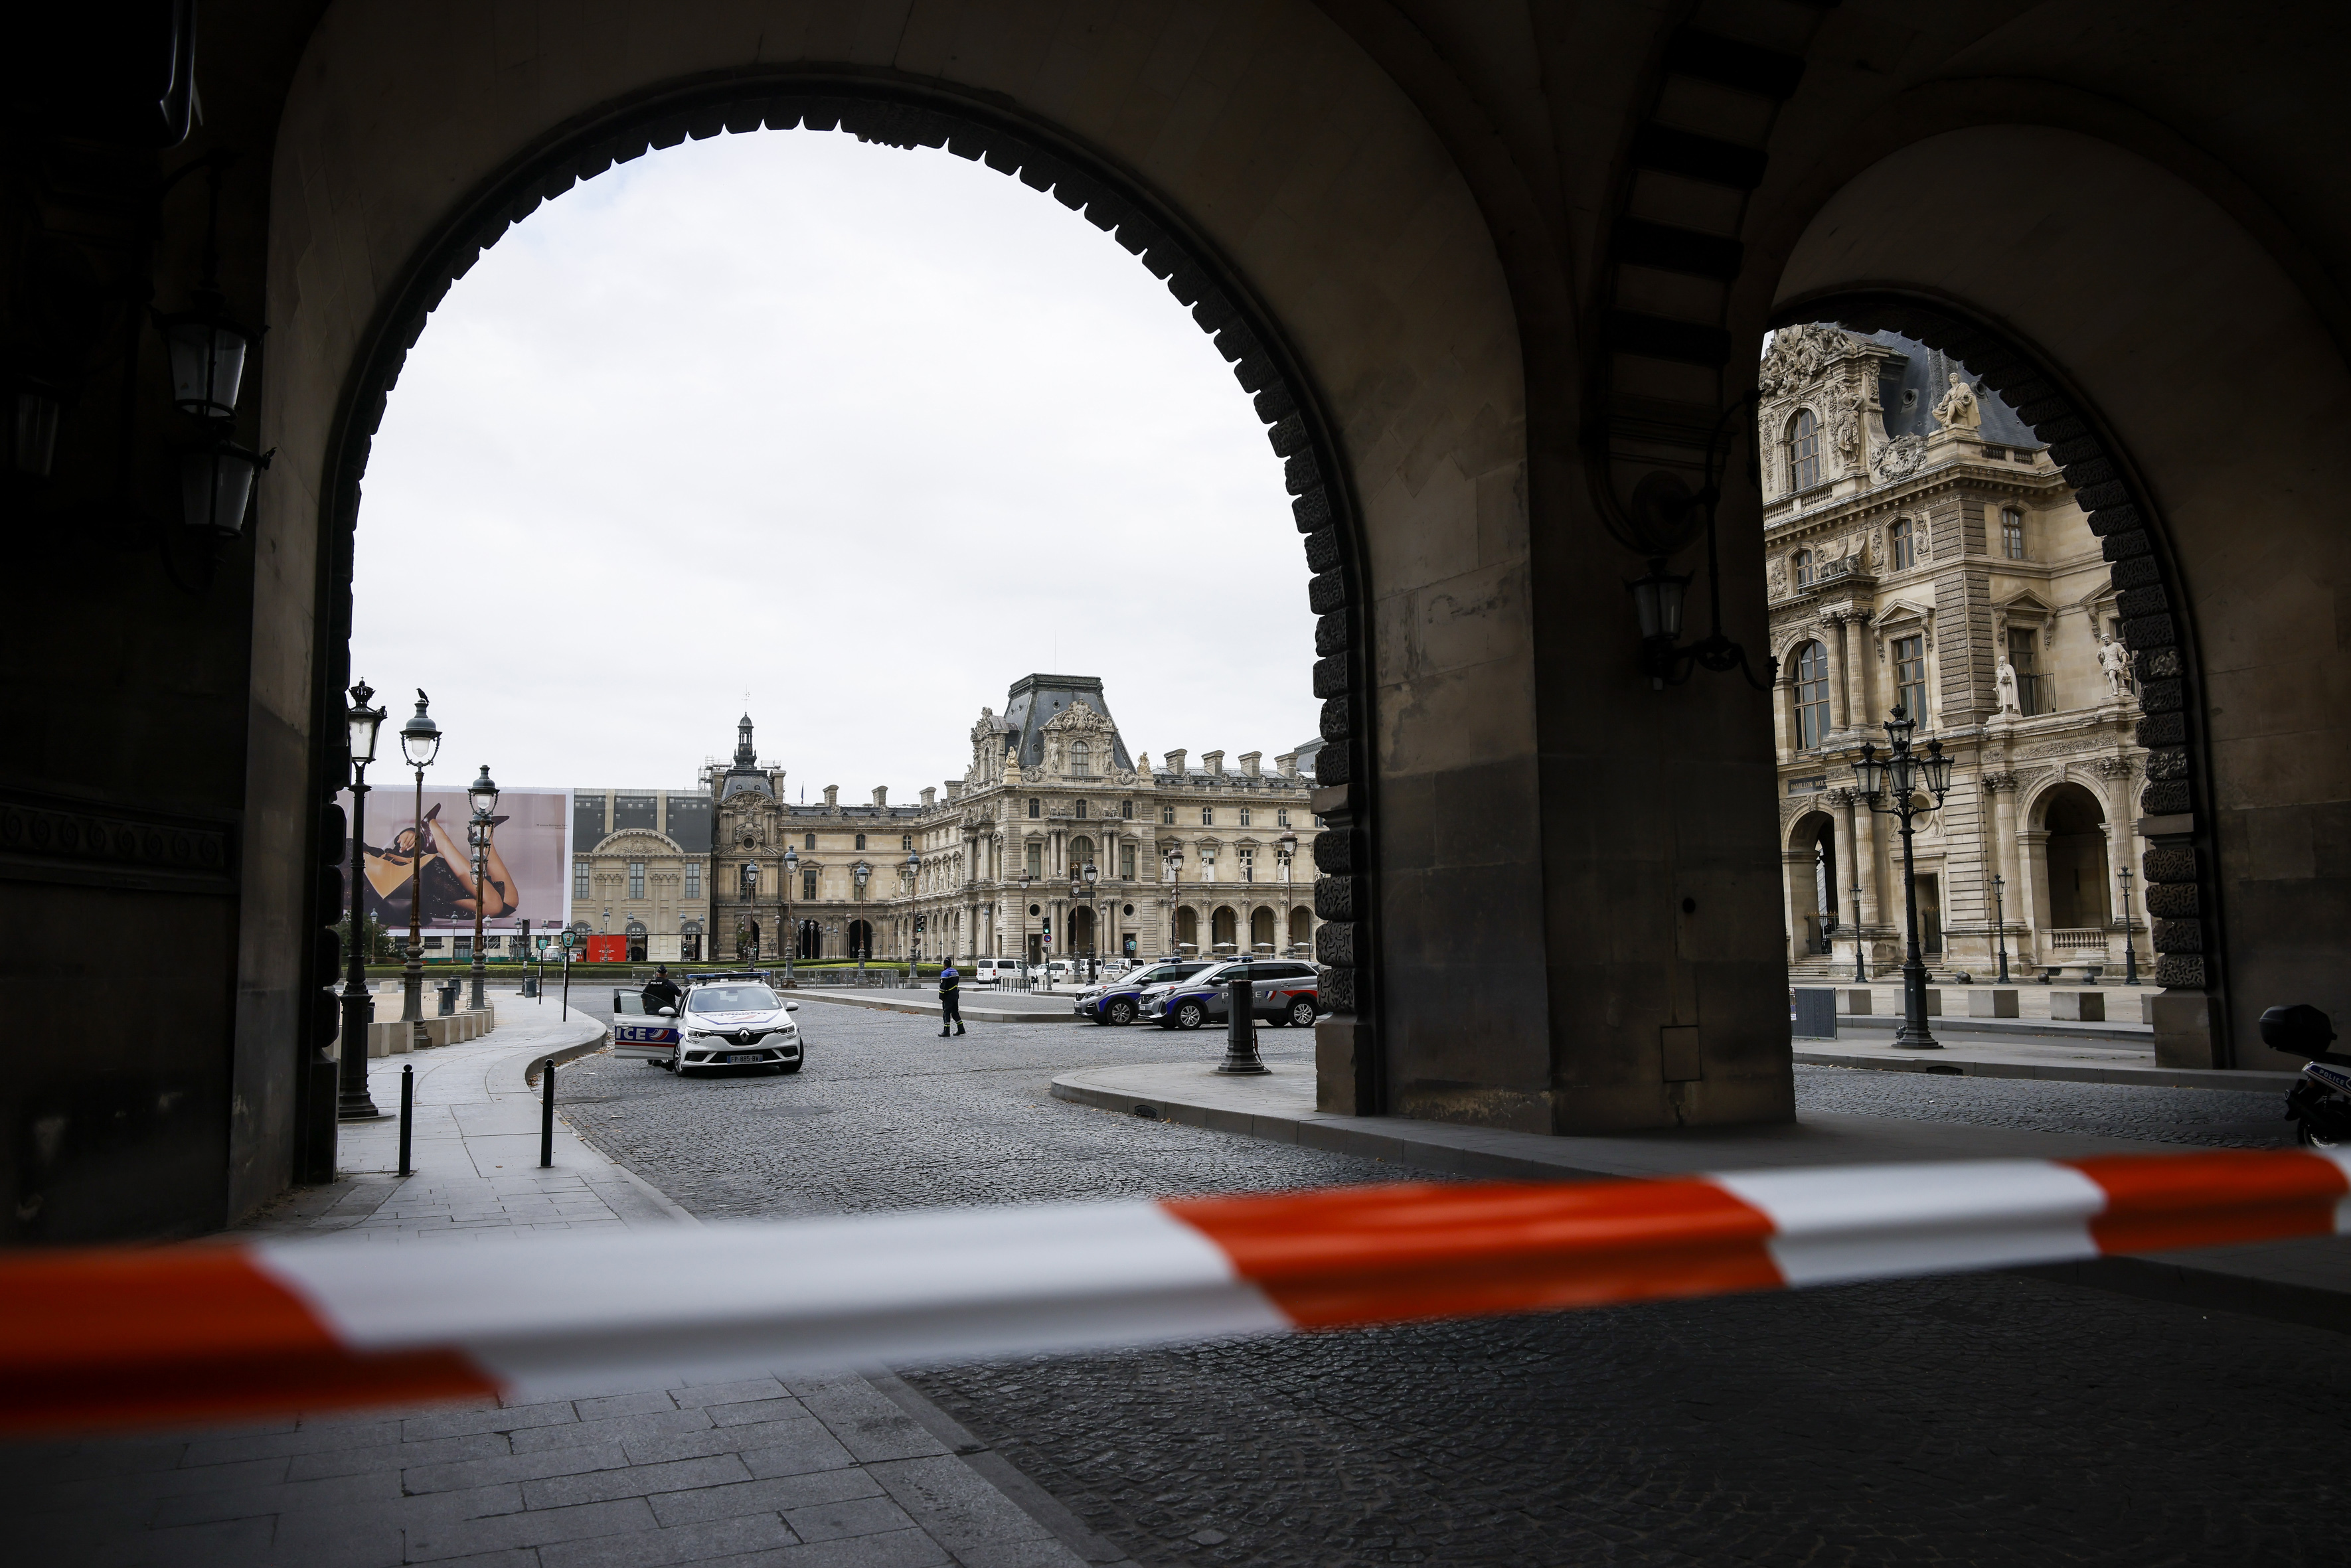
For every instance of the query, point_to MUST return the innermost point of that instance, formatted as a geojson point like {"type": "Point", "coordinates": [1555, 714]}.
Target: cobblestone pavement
{"type": "Point", "coordinates": [1987, 1420]}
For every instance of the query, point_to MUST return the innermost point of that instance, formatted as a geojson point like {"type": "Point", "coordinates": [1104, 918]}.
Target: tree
{"type": "Point", "coordinates": [372, 932]}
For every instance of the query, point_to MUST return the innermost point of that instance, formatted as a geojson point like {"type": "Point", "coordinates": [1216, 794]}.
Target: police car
{"type": "Point", "coordinates": [1281, 991]}
{"type": "Point", "coordinates": [1118, 1001]}
{"type": "Point", "coordinates": [724, 1020]}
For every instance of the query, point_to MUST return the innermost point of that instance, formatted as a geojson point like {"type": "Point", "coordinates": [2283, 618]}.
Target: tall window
{"type": "Point", "coordinates": [1903, 541]}
{"type": "Point", "coordinates": [810, 843]}
{"type": "Point", "coordinates": [1036, 859]}
{"type": "Point", "coordinates": [1803, 568]}
{"type": "Point", "coordinates": [1126, 810]}
{"type": "Point", "coordinates": [1803, 451]}
{"type": "Point", "coordinates": [808, 885]}
{"type": "Point", "coordinates": [1127, 862]}
{"type": "Point", "coordinates": [694, 879]}
{"type": "Point", "coordinates": [905, 840]}
{"type": "Point", "coordinates": [2011, 533]}
{"type": "Point", "coordinates": [1167, 816]}
{"type": "Point", "coordinates": [1036, 808]}
{"type": "Point", "coordinates": [1281, 816]}
{"type": "Point", "coordinates": [860, 841]}
{"type": "Point", "coordinates": [1081, 810]}
{"type": "Point", "coordinates": [636, 879]}
{"type": "Point", "coordinates": [2021, 652]}
{"type": "Point", "coordinates": [1812, 695]}
{"type": "Point", "coordinates": [1207, 815]}
{"type": "Point", "coordinates": [1910, 677]}
{"type": "Point", "coordinates": [1249, 863]}
{"type": "Point", "coordinates": [580, 887]}
{"type": "Point", "coordinates": [1245, 821]}
{"type": "Point", "coordinates": [1081, 758]}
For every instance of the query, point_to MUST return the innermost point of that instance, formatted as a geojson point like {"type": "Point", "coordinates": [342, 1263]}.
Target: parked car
{"type": "Point", "coordinates": [996, 971]}
{"type": "Point", "coordinates": [1282, 991]}
{"type": "Point", "coordinates": [1119, 1000]}
{"type": "Point", "coordinates": [726, 1019]}
{"type": "Point", "coordinates": [1060, 971]}
{"type": "Point", "coordinates": [647, 1037]}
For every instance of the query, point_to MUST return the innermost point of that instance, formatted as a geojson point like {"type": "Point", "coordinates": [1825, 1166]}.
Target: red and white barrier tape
{"type": "Point", "coordinates": [122, 1336]}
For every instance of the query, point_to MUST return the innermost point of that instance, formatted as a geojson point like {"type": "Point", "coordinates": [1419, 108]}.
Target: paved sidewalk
{"type": "Point", "coordinates": [2303, 1281]}
{"type": "Point", "coordinates": [2037, 1055]}
{"type": "Point", "coordinates": [846, 1471]}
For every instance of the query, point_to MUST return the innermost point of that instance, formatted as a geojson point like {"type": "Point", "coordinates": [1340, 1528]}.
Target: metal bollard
{"type": "Point", "coordinates": [547, 1118]}
{"type": "Point", "coordinates": [1240, 1034]}
{"type": "Point", "coordinates": [407, 1104]}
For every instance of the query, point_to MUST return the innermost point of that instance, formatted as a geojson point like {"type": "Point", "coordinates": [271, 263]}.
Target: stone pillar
{"type": "Point", "coordinates": [2122, 847]}
{"type": "Point", "coordinates": [2000, 796]}
{"type": "Point", "coordinates": [2033, 888]}
{"type": "Point", "coordinates": [1842, 717]}
{"type": "Point", "coordinates": [1864, 835]}
{"type": "Point", "coordinates": [1796, 882]}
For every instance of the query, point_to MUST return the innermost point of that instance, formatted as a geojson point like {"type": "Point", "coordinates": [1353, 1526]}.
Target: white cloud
{"type": "Point", "coordinates": [865, 433]}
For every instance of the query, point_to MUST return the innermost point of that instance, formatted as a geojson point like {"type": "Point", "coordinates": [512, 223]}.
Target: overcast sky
{"type": "Point", "coordinates": [852, 435]}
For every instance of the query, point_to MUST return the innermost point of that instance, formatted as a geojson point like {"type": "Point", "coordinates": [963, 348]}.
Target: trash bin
{"type": "Point", "coordinates": [1813, 1012]}
{"type": "Point", "coordinates": [449, 989]}
{"type": "Point", "coordinates": [530, 985]}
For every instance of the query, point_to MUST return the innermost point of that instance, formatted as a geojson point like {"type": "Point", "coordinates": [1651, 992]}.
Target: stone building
{"type": "Point", "coordinates": [1922, 551]}
{"type": "Point", "coordinates": [1200, 860]}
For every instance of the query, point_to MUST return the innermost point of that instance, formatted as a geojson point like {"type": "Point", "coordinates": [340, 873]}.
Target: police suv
{"type": "Point", "coordinates": [724, 1020]}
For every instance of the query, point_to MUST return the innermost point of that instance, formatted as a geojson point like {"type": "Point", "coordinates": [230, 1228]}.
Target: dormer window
{"type": "Point", "coordinates": [1080, 759]}
{"type": "Point", "coordinates": [1803, 451]}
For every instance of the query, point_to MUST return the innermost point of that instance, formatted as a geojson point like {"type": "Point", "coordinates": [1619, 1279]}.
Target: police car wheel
{"type": "Point", "coordinates": [1301, 1013]}
{"type": "Point", "coordinates": [1191, 1015]}
{"type": "Point", "coordinates": [1122, 1012]}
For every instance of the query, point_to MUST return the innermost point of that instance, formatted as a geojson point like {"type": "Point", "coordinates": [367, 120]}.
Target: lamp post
{"type": "Point", "coordinates": [862, 873]}
{"type": "Point", "coordinates": [749, 880]}
{"type": "Point", "coordinates": [1860, 956]}
{"type": "Point", "coordinates": [914, 943]}
{"type": "Point", "coordinates": [791, 928]}
{"type": "Point", "coordinates": [2130, 949]}
{"type": "Point", "coordinates": [420, 742]}
{"type": "Point", "coordinates": [1902, 771]}
{"type": "Point", "coordinates": [352, 1103]}
{"type": "Point", "coordinates": [1175, 891]}
{"type": "Point", "coordinates": [1285, 849]}
{"type": "Point", "coordinates": [483, 796]}
{"type": "Point", "coordinates": [2000, 921]}
{"type": "Point", "coordinates": [1093, 963]}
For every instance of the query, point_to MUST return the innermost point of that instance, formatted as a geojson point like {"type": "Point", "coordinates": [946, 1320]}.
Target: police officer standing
{"type": "Point", "coordinates": [950, 1007]}
{"type": "Point", "coordinates": [661, 991]}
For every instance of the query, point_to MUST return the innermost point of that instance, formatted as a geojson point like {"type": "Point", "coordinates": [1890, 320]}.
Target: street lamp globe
{"type": "Point", "coordinates": [1092, 873]}
{"type": "Point", "coordinates": [420, 737]}
{"type": "Point", "coordinates": [791, 859]}
{"type": "Point", "coordinates": [1935, 771]}
{"type": "Point", "coordinates": [482, 794]}
{"type": "Point", "coordinates": [364, 722]}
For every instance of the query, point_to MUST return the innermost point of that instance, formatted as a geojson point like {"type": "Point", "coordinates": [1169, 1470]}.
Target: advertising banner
{"type": "Point", "coordinates": [529, 859]}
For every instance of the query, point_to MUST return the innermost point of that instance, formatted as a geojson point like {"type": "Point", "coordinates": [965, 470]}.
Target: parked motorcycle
{"type": "Point", "coordinates": [2319, 1106]}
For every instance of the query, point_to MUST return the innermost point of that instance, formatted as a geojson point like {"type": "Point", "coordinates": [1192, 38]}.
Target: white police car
{"type": "Point", "coordinates": [723, 1020]}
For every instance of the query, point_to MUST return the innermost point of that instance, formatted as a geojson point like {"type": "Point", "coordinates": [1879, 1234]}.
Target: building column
{"type": "Point", "coordinates": [2122, 845]}
{"type": "Point", "coordinates": [1999, 794]}
{"type": "Point", "coordinates": [1848, 864]}
{"type": "Point", "coordinates": [2032, 879]}
{"type": "Point", "coordinates": [1796, 884]}
{"type": "Point", "coordinates": [1833, 620]}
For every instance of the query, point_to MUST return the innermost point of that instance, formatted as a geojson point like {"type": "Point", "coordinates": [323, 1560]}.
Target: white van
{"type": "Point", "coordinates": [996, 971]}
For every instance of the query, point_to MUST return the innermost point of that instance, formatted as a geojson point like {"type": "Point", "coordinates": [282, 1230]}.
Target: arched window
{"type": "Point", "coordinates": [809, 842]}
{"type": "Point", "coordinates": [1081, 758]}
{"type": "Point", "coordinates": [1803, 451]}
{"type": "Point", "coordinates": [860, 841]}
{"type": "Point", "coordinates": [1812, 695]}
{"type": "Point", "coordinates": [1081, 849]}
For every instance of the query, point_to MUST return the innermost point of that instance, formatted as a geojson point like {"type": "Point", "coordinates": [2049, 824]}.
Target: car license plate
{"type": "Point", "coordinates": [742, 1056]}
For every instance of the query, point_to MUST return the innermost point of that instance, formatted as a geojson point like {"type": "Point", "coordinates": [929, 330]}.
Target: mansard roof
{"type": "Point", "coordinates": [1035, 701]}
{"type": "Point", "coordinates": [1923, 374]}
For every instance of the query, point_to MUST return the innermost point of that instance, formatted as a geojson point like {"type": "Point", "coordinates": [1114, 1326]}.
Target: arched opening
{"type": "Point", "coordinates": [1813, 875]}
{"type": "Point", "coordinates": [1803, 449]}
{"type": "Point", "coordinates": [1082, 855]}
{"type": "Point", "coordinates": [1301, 931]}
{"type": "Point", "coordinates": [810, 943]}
{"type": "Point", "coordinates": [1188, 930]}
{"type": "Point", "coordinates": [2073, 875]}
{"type": "Point", "coordinates": [1081, 932]}
{"type": "Point", "coordinates": [1263, 926]}
{"type": "Point", "coordinates": [861, 939]}
{"type": "Point", "coordinates": [636, 935]}
{"type": "Point", "coordinates": [689, 942]}
{"type": "Point", "coordinates": [1224, 931]}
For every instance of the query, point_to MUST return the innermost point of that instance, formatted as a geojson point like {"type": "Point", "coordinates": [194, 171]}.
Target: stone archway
{"type": "Point", "coordinates": [1187, 932]}
{"type": "Point", "coordinates": [1224, 931]}
{"type": "Point", "coordinates": [1262, 927]}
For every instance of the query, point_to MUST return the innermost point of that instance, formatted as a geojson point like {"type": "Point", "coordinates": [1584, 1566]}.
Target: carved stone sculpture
{"type": "Point", "coordinates": [2114, 661]}
{"type": "Point", "coordinates": [2006, 683]}
{"type": "Point", "coordinates": [1900, 457]}
{"type": "Point", "coordinates": [1959, 410]}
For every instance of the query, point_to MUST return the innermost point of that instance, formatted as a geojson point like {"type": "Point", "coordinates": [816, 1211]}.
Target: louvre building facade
{"type": "Point", "coordinates": [1923, 552]}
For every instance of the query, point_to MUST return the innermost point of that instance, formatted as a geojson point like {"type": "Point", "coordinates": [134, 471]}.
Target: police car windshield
{"type": "Point", "coordinates": [730, 1000]}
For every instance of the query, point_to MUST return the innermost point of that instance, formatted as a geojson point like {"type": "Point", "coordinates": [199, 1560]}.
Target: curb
{"type": "Point", "coordinates": [561, 1054]}
{"type": "Point", "coordinates": [2250, 1080]}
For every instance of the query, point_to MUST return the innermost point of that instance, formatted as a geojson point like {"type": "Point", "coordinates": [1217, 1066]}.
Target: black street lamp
{"type": "Point", "coordinates": [1175, 892]}
{"type": "Point", "coordinates": [1902, 771]}
{"type": "Point", "coordinates": [2130, 949]}
{"type": "Point", "coordinates": [483, 796]}
{"type": "Point", "coordinates": [749, 879]}
{"type": "Point", "coordinates": [420, 742]}
{"type": "Point", "coordinates": [1860, 954]}
{"type": "Point", "coordinates": [913, 941]}
{"type": "Point", "coordinates": [2000, 921]}
{"type": "Point", "coordinates": [353, 1104]}
{"type": "Point", "coordinates": [863, 873]}
{"type": "Point", "coordinates": [791, 927]}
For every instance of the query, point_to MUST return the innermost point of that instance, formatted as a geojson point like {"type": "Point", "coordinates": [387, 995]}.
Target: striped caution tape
{"type": "Point", "coordinates": [126, 1336]}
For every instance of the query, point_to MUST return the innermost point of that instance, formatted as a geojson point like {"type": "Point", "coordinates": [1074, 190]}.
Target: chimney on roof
{"type": "Point", "coordinates": [1214, 761]}
{"type": "Point", "coordinates": [1288, 763]}
{"type": "Point", "coordinates": [930, 798]}
{"type": "Point", "coordinates": [881, 794]}
{"type": "Point", "coordinates": [955, 790]}
{"type": "Point", "coordinates": [833, 797]}
{"type": "Point", "coordinates": [1176, 761]}
{"type": "Point", "coordinates": [1249, 761]}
